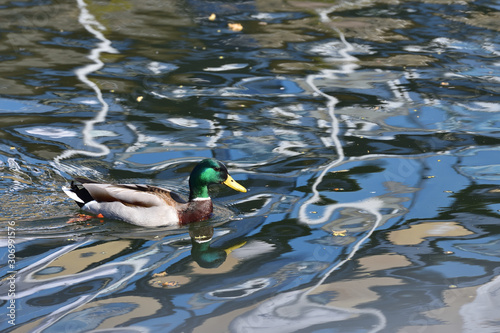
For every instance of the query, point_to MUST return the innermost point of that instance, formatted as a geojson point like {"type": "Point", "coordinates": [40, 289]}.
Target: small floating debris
{"type": "Point", "coordinates": [341, 233]}
{"type": "Point", "coordinates": [139, 98]}
{"type": "Point", "coordinates": [160, 274]}
{"type": "Point", "coordinates": [449, 252]}
{"type": "Point", "coordinates": [212, 17]}
{"type": "Point", "coordinates": [235, 26]}
{"type": "Point", "coordinates": [170, 284]}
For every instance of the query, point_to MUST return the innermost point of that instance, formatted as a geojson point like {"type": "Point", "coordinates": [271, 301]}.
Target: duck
{"type": "Point", "coordinates": [153, 206]}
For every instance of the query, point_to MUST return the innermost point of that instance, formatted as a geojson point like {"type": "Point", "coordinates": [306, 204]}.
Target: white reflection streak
{"type": "Point", "coordinates": [291, 311]}
{"type": "Point", "coordinates": [483, 310]}
{"type": "Point", "coordinates": [332, 101]}
{"type": "Point", "coordinates": [371, 205]}
{"type": "Point", "coordinates": [94, 27]}
{"type": "Point", "coordinates": [31, 285]}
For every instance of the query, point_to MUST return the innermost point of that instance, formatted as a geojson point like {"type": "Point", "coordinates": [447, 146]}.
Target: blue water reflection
{"type": "Point", "coordinates": [366, 132]}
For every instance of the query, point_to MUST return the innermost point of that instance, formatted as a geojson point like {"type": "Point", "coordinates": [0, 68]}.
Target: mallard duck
{"type": "Point", "coordinates": [152, 206]}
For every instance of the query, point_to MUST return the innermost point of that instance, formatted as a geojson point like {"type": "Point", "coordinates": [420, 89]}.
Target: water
{"type": "Point", "coordinates": [366, 133]}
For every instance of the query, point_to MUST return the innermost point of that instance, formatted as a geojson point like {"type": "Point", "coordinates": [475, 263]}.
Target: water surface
{"type": "Point", "coordinates": [366, 133]}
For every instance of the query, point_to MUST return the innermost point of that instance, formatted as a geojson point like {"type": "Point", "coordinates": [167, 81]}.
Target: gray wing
{"type": "Point", "coordinates": [133, 194]}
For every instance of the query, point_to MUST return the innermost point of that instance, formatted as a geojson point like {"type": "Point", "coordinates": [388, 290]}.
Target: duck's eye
{"type": "Point", "coordinates": [217, 169]}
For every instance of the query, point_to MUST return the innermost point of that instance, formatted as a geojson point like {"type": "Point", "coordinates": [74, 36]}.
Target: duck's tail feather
{"type": "Point", "coordinates": [78, 193]}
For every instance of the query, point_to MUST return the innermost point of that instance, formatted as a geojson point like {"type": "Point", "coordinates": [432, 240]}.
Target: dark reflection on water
{"type": "Point", "coordinates": [367, 133]}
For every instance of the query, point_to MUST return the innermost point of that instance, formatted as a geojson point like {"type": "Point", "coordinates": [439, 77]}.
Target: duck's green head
{"type": "Point", "coordinates": [207, 172]}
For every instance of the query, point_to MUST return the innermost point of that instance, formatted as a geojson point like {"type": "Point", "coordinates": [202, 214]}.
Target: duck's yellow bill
{"type": "Point", "coordinates": [234, 184]}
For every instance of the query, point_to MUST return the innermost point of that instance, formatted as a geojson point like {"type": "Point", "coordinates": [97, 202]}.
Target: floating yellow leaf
{"type": "Point", "coordinates": [212, 17]}
{"type": "Point", "coordinates": [170, 284]}
{"type": "Point", "coordinates": [340, 233]}
{"type": "Point", "coordinates": [235, 26]}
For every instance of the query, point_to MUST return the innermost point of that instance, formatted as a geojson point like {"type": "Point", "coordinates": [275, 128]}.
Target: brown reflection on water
{"type": "Point", "coordinates": [417, 233]}
{"type": "Point", "coordinates": [27, 30]}
{"type": "Point", "coordinates": [141, 307]}
{"type": "Point", "coordinates": [449, 314]}
{"type": "Point", "coordinates": [354, 292]}
{"type": "Point", "coordinates": [81, 259]}
{"type": "Point", "coordinates": [103, 317]}
{"type": "Point", "coordinates": [488, 21]}
{"type": "Point", "coordinates": [371, 28]}
{"type": "Point", "coordinates": [382, 262]}
{"type": "Point", "coordinates": [349, 294]}
{"type": "Point", "coordinates": [399, 60]}
{"type": "Point", "coordinates": [48, 37]}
